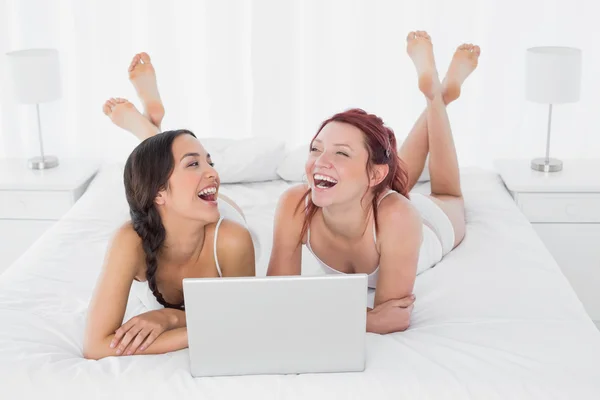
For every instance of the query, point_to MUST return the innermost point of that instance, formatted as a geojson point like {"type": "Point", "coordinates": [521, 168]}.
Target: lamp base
{"type": "Point", "coordinates": [42, 163]}
{"type": "Point", "coordinates": [546, 165]}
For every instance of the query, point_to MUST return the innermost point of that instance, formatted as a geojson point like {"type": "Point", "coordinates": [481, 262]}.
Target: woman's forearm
{"type": "Point", "coordinates": [372, 325]}
{"type": "Point", "coordinates": [175, 339]}
{"type": "Point", "coordinates": [171, 340]}
{"type": "Point", "coordinates": [177, 318]}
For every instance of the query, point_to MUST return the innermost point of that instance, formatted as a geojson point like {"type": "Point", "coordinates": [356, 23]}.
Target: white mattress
{"type": "Point", "coordinates": [495, 319]}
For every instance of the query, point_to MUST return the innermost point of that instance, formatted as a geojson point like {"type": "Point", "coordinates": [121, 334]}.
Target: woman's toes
{"type": "Point", "coordinates": [411, 35]}
{"type": "Point", "coordinates": [145, 58]}
{"type": "Point", "coordinates": [476, 50]}
{"type": "Point", "coordinates": [134, 62]}
{"type": "Point", "coordinates": [106, 108]}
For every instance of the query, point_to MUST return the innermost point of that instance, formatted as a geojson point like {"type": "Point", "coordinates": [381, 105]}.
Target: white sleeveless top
{"type": "Point", "coordinates": [372, 277]}
{"type": "Point", "coordinates": [142, 291]}
{"type": "Point", "coordinates": [438, 237]}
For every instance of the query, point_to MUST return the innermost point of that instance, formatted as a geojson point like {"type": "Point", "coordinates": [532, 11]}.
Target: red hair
{"type": "Point", "coordinates": [380, 142]}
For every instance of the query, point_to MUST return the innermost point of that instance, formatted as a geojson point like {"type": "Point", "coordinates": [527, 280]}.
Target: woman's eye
{"type": "Point", "coordinates": [314, 149]}
{"type": "Point", "coordinates": [342, 153]}
{"type": "Point", "coordinates": [212, 164]}
{"type": "Point", "coordinates": [194, 164]}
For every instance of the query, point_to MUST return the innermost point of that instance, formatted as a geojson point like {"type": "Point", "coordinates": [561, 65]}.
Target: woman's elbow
{"type": "Point", "coordinates": [90, 354]}
{"type": "Point", "coordinates": [94, 350]}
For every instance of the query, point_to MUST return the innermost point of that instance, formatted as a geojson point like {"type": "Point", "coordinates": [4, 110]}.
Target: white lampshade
{"type": "Point", "coordinates": [33, 76]}
{"type": "Point", "coordinates": [553, 74]}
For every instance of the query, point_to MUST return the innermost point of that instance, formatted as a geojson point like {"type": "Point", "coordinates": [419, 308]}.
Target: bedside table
{"type": "Point", "coordinates": [31, 201]}
{"type": "Point", "coordinates": [564, 209]}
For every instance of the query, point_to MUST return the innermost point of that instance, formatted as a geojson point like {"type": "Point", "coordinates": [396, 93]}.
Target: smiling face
{"type": "Point", "coordinates": [192, 188]}
{"type": "Point", "coordinates": [336, 166]}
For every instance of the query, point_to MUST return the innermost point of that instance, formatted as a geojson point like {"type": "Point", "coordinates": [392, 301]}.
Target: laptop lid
{"type": "Point", "coordinates": [276, 325]}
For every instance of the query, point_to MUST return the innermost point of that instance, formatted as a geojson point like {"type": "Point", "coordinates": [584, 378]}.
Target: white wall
{"type": "Point", "coordinates": [278, 68]}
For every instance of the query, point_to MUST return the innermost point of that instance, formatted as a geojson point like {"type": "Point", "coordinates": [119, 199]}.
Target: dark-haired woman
{"type": "Point", "coordinates": [181, 227]}
{"type": "Point", "coordinates": [355, 214]}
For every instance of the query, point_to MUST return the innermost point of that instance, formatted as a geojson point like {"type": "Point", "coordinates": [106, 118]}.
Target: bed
{"type": "Point", "coordinates": [495, 319]}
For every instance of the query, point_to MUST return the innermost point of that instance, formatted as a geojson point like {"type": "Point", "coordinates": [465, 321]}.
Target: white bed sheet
{"type": "Point", "coordinates": [495, 319]}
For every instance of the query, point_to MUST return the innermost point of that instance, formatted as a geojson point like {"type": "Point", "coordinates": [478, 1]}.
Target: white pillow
{"type": "Point", "coordinates": [245, 160]}
{"type": "Point", "coordinates": [292, 167]}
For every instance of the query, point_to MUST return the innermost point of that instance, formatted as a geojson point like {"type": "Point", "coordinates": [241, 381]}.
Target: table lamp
{"type": "Point", "coordinates": [34, 78]}
{"type": "Point", "coordinates": [553, 76]}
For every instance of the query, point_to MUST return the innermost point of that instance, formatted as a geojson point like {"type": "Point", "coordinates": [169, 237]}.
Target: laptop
{"type": "Point", "coordinates": [276, 325]}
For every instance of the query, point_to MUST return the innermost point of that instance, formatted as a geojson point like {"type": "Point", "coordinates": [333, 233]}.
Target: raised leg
{"type": "Point", "coordinates": [443, 161]}
{"type": "Point", "coordinates": [443, 167]}
{"type": "Point", "coordinates": [143, 78]}
{"type": "Point", "coordinates": [124, 114]}
{"type": "Point", "coordinates": [415, 148]}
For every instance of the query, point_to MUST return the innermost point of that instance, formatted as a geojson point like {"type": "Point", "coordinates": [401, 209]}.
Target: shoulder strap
{"type": "Point", "coordinates": [382, 197]}
{"type": "Point", "coordinates": [386, 193]}
{"type": "Point", "coordinates": [215, 246]}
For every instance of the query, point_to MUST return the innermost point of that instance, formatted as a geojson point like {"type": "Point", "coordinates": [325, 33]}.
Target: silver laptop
{"type": "Point", "coordinates": [276, 325]}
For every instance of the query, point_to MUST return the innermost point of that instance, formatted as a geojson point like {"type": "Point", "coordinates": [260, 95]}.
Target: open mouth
{"type": "Point", "coordinates": [324, 182]}
{"type": "Point", "coordinates": [208, 194]}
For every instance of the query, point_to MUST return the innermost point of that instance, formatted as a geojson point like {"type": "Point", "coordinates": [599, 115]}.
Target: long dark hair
{"type": "Point", "coordinates": [147, 171]}
{"type": "Point", "coordinates": [380, 142]}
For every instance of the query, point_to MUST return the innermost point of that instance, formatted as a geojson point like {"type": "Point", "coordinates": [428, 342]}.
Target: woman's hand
{"type": "Point", "coordinates": [391, 316]}
{"type": "Point", "coordinates": [142, 330]}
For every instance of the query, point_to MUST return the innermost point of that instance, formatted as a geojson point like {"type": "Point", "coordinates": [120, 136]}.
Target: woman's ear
{"type": "Point", "coordinates": [160, 198]}
{"type": "Point", "coordinates": [378, 174]}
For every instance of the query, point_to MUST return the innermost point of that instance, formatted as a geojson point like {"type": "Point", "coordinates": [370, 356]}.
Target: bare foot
{"type": "Point", "coordinates": [420, 50]}
{"type": "Point", "coordinates": [124, 114]}
{"type": "Point", "coordinates": [463, 63]}
{"type": "Point", "coordinates": [143, 78]}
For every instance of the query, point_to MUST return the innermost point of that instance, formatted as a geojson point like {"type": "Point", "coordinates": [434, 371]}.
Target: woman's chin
{"type": "Point", "coordinates": [321, 198]}
{"type": "Point", "coordinates": [208, 211]}
{"type": "Point", "coordinates": [208, 217]}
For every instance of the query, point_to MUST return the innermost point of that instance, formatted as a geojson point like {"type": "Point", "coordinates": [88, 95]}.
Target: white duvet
{"type": "Point", "coordinates": [495, 319]}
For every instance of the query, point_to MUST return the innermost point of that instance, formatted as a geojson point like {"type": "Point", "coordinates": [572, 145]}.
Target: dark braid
{"type": "Point", "coordinates": [147, 172]}
{"type": "Point", "coordinates": [150, 229]}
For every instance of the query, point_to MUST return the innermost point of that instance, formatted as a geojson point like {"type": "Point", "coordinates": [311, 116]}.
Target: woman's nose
{"type": "Point", "coordinates": [210, 172]}
{"type": "Point", "coordinates": [323, 160]}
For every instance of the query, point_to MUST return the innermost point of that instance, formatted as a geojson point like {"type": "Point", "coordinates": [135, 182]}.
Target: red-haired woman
{"type": "Point", "coordinates": [355, 214]}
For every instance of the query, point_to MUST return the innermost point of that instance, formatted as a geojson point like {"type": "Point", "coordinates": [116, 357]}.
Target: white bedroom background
{"type": "Point", "coordinates": [273, 68]}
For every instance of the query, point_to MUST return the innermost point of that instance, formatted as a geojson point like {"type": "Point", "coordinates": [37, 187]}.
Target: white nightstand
{"type": "Point", "coordinates": [31, 201]}
{"type": "Point", "coordinates": [564, 209]}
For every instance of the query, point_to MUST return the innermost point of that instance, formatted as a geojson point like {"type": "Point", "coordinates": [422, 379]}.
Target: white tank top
{"type": "Point", "coordinates": [437, 241]}
{"type": "Point", "coordinates": [372, 277]}
{"type": "Point", "coordinates": [142, 291]}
